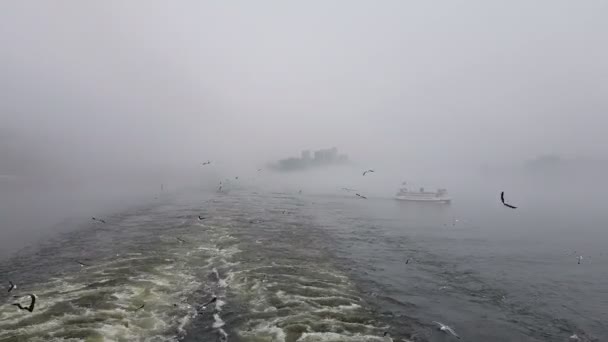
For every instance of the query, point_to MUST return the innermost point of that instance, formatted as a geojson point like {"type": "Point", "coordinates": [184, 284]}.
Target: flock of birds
{"type": "Point", "coordinates": [440, 326]}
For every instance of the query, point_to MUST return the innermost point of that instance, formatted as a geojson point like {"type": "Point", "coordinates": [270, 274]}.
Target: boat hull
{"type": "Point", "coordinates": [443, 200]}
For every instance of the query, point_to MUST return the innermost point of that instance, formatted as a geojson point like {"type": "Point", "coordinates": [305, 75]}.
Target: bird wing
{"type": "Point", "coordinates": [510, 206]}
{"type": "Point", "coordinates": [439, 324]}
{"type": "Point", "coordinates": [451, 331]}
{"type": "Point", "coordinates": [502, 197]}
{"type": "Point", "coordinates": [31, 307]}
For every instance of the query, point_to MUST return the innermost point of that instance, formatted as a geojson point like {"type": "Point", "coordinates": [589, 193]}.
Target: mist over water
{"type": "Point", "coordinates": [109, 110]}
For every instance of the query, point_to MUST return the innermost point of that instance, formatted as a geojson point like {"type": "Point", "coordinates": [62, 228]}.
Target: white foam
{"type": "Point", "coordinates": [267, 331]}
{"type": "Point", "coordinates": [218, 323]}
{"type": "Point", "coordinates": [331, 336]}
{"type": "Point", "coordinates": [219, 304]}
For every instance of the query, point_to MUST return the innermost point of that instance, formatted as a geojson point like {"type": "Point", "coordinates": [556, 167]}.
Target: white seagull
{"type": "Point", "coordinates": [446, 329]}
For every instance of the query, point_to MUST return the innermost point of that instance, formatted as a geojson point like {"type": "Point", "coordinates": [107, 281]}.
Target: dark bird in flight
{"type": "Point", "coordinates": [181, 240]}
{"type": "Point", "coordinates": [361, 196]}
{"type": "Point", "coordinates": [12, 287]}
{"type": "Point", "coordinates": [141, 307]}
{"type": "Point", "coordinates": [207, 162]}
{"type": "Point", "coordinates": [259, 170]}
{"type": "Point", "coordinates": [200, 218]}
{"type": "Point", "coordinates": [407, 261]}
{"type": "Point", "coordinates": [213, 300]}
{"type": "Point", "coordinates": [237, 177]}
{"type": "Point", "coordinates": [98, 220]}
{"type": "Point", "coordinates": [366, 172]}
{"type": "Point", "coordinates": [502, 198]}
{"type": "Point", "coordinates": [29, 308]}
{"type": "Point", "coordinates": [82, 263]}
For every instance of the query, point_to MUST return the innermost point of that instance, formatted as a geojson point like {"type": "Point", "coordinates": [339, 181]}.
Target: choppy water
{"type": "Point", "coordinates": [288, 267]}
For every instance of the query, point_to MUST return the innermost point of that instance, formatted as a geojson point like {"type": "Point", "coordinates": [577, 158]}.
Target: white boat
{"type": "Point", "coordinates": [439, 196]}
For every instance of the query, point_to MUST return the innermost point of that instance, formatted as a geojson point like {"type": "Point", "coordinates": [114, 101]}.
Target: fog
{"type": "Point", "coordinates": [101, 102]}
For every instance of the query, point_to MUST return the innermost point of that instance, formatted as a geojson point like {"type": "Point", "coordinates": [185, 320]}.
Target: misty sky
{"type": "Point", "coordinates": [149, 84]}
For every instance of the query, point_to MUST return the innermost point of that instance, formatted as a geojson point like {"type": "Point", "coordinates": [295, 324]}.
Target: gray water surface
{"type": "Point", "coordinates": [288, 267]}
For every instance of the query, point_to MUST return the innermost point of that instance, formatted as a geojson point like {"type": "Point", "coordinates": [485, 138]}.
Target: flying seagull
{"type": "Point", "coordinates": [180, 240]}
{"type": "Point", "coordinates": [12, 287]}
{"type": "Point", "coordinates": [407, 261]}
{"type": "Point", "coordinates": [98, 220]}
{"type": "Point", "coordinates": [200, 218]}
{"type": "Point", "coordinates": [502, 198]}
{"type": "Point", "coordinates": [259, 170]}
{"type": "Point", "coordinates": [366, 172]}
{"type": "Point", "coordinates": [29, 308]}
{"type": "Point", "coordinates": [361, 196]}
{"type": "Point", "coordinates": [207, 162]}
{"type": "Point", "coordinates": [446, 329]}
{"type": "Point", "coordinates": [141, 307]}
{"type": "Point", "coordinates": [580, 258]}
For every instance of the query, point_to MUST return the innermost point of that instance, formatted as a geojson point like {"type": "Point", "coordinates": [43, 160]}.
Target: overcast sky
{"type": "Point", "coordinates": [122, 84]}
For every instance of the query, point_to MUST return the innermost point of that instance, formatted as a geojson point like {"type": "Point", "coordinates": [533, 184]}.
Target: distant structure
{"type": "Point", "coordinates": [324, 157]}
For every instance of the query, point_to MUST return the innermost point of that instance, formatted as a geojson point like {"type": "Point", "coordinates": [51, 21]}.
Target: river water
{"type": "Point", "coordinates": [292, 267]}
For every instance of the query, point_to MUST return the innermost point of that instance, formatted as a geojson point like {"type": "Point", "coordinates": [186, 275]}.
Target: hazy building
{"type": "Point", "coordinates": [323, 157]}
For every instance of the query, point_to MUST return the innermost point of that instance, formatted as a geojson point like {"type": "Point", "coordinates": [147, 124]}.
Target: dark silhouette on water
{"type": "Point", "coordinates": [29, 308]}
{"type": "Point", "coordinates": [368, 171]}
{"type": "Point", "coordinates": [12, 286]}
{"type": "Point", "coordinates": [361, 196]}
{"type": "Point", "coordinates": [141, 307]}
{"type": "Point", "coordinates": [180, 240]}
{"type": "Point", "coordinates": [82, 263]}
{"type": "Point", "coordinates": [213, 300]}
{"type": "Point", "coordinates": [502, 199]}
